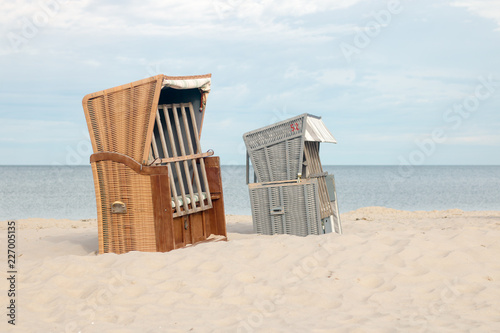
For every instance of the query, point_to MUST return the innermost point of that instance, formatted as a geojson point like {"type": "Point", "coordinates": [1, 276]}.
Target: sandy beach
{"type": "Point", "coordinates": [391, 271]}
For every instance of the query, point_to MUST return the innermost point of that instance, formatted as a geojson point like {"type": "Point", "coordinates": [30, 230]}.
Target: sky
{"type": "Point", "coordinates": [397, 82]}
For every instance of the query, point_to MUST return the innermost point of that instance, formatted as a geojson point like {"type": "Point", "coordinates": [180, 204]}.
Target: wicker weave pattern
{"type": "Point", "coordinates": [278, 160]}
{"type": "Point", "coordinates": [278, 132]}
{"type": "Point", "coordinates": [120, 120]}
{"type": "Point", "coordinates": [122, 232]}
{"type": "Point", "coordinates": [304, 200]}
{"type": "Point", "coordinates": [286, 208]}
{"type": "Point", "coordinates": [276, 151]}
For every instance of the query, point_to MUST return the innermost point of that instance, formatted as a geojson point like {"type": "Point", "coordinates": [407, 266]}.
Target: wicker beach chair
{"type": "Point", "coordinates": [156, 190]}
{"type": "Point", "coordinates": [293, 194]}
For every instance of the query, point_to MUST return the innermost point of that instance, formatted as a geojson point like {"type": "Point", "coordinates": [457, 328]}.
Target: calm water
{"type": "Point", "coordinates": [68, 191]}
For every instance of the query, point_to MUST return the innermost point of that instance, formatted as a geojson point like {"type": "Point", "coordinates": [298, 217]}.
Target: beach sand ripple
{"type": "Point", "coordinates": [391, 271]}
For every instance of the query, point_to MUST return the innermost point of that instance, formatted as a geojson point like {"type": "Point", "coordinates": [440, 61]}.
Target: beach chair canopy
{"type": "Point", "coordinates": [277, 150]}
{"type": "Point", "coordinates": [316, 130]}
{"type": "Point", "coordinates": [122, 119]}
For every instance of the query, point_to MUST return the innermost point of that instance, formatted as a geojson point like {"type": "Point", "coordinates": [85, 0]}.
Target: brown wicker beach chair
{"type": "Point", "coordinates": [156, 190]}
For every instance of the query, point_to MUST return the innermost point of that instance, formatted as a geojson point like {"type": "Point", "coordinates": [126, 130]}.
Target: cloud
{"type": "Point", "coordinates": [379, 137]}
{"type": "Point", "coordinates": [264, 10]}
{"type": "Point", "coordinates": [485, 8]}
{"type": "Point", "coordinates": [231, 94]}
{"type": "Point", "coordinates": [483, 140]}
{"type": "Point", "coordinates": [189, 14]}
{"type": "Point", "coordinates": [326, 76]}
{"type": "Point", "coordinates": [24, 20]}
{"type": "Point", "coordinates": [36, 131]}
{"type": "Point", "coordinates": [92, 63]}
{"type": "Point", "coordinates": [337, 76]}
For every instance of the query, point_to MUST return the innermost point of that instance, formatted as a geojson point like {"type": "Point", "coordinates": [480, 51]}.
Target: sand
{"type": "Point", "coordinates": [391, 271]}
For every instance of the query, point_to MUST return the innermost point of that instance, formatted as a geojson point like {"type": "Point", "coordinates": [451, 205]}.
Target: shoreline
{"type": "Point", "coordinates": [372, 212]}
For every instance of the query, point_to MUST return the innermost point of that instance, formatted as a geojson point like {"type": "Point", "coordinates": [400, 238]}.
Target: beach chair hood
{"type": "Point", "coordinates": [121, 119]}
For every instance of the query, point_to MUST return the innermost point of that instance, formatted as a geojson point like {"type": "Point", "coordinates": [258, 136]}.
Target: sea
{"type": "Point", "coordinates": [68, 191]}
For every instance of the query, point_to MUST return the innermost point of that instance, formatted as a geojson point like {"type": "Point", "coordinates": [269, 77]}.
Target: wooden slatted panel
{"type": "Point", "coordinates": [187, 173]}
{"type": "Point", "coordinates": [202, 161]}
{"type": "Point", "coordinates": [189, 133]}
{"type": "Point", "coordinates": [161, 132]}
{"type": "Point", "coordinates": [311, 152]}
{"type": "Point", "coordinates": [177, 164]}
{"type": "Point", "coordinates": [179, 138]}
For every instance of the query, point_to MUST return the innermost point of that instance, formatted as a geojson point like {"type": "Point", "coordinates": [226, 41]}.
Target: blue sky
{"type": "Point", "coordinates": [396, 82]}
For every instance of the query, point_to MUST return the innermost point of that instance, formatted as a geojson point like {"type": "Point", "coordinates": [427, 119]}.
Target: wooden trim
{"type": "Point", "coordinates": [162, 211]}
{"type": "Point", "coordinates": [203, 101]}
{"type": "Point", "coordinates": [85, 105]}
{"type": "Point", "coordinates": [318, 175]}
{"type": "Point", "coordinates": [220, 217]}
{"type": "Point", "coordinates": [121, 87]}
{"type": "Point", "coordinates": [159, 77]}
{"type": "Point", "coordinates": [130, 162]}
{"type": "Point", "coordinates": [279, 182]}
{"type": "Point", "coordinates": [183, 158]}
{"type": "Point", "coordinates": [152, 118]}
{"type": "Point", "coordinates": [212, 166]}
{"type": "Point", "coordinates": [213, 171]}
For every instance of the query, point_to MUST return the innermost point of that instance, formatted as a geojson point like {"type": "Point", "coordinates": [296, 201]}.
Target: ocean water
{"type": "Point", "coordinates": [68, 191]}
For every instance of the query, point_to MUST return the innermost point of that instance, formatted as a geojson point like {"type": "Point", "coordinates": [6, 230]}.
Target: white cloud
{"type": "Point", "coordinates": [195, 14]}
{"type": "Point", "coordinates": [271, 59]}
{"type": "Point", "coordinates": [483, 140]}
{"type": "Point", "coordinates": [425, 85]}
{"type": "Point", "coordinates": [24, 20]}
{"type": "Point", "coordinates": [92, 63]}
{"type": "Point", "coordinates": [230, 95]}
{"type": "Point", "coordinates": [326, 76]}
{"type": "Point", "coordinates": [484, 8]}
{"type": "Point", "coordinates": [35, 131]}
{"type": "Point", "coordinates": [337, 76]}
{"type": "Point", "coordinates": [266, 9]}
{"type": "Point", "coordinates": [379, 137]}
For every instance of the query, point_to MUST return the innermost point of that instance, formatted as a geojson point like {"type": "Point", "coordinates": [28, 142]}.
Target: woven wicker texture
{"type": "Point", "coordinates": [266, 136]}
{"type": "Point", "coordinates": [286, 208]}
{"type": "Point", "coordinates": [119, 120]}
{"type": "Point", "coordinates": [276, 151]}
{"type": "Point", "coordinates": [120, 233]}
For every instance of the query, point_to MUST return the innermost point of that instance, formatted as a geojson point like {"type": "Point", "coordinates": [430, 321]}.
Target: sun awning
{"type": "Point", "coordinates": [201, 83]}
{"type": "Point", "coordinates": [317, 131]}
